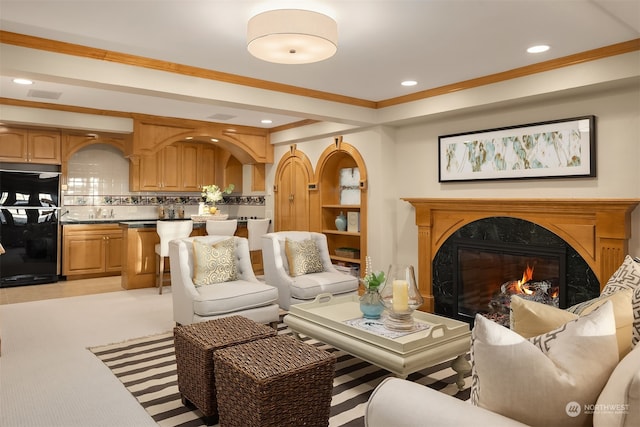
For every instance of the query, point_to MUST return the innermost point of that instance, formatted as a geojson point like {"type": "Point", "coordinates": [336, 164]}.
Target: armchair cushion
{"type": "Point", "coordinates": [228, 297]}
{"type": "Point", "coordinates": [309, 286]}
{"type": "Point", "coordinates": [214, 263]}
{"type": "Point", "coordinates": [561, 371]}
{"type": "Point", "coordinates": [303, 257]}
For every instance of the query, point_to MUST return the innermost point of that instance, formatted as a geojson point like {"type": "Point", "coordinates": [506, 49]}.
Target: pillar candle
{"type": "Point", "coordinates": [400, 296]}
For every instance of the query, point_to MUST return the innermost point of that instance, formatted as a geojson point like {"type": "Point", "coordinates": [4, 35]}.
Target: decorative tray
{"type": "Point", "coordinates": [205, 218]}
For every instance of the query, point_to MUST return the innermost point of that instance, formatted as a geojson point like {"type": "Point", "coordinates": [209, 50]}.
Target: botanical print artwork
{"type": "Point", "coordinates": [557, 149]}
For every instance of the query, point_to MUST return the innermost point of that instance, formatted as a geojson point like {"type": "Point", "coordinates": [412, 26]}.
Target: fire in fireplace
{"type": "Point", "coordinates": [489, 273]}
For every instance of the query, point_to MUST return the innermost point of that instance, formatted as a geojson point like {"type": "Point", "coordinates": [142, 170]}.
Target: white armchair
{"type": "Point", "coordinates": [303, 288]}
{"type": "Point", "coordinates": [246, 296]}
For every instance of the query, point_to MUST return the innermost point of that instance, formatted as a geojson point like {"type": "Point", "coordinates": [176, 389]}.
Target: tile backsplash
{"type": "Point", "coordinates": [98, 187]}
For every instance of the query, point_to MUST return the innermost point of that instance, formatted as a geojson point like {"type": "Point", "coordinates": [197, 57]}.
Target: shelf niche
{"type": "Point", "coordinates": [328, 203]}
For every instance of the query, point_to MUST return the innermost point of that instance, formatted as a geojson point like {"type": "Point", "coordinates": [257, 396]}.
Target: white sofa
{"type": "Point", "coordinates": [246, 296]}
{"type": "Point", "coordinates": [303, 288]}
{"type": "Point", "coordinates": [402, 403]}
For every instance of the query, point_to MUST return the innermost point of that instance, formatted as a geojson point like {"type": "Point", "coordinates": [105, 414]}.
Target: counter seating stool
{"type": "Point", "coordinates": [274, 382]}
{"type": "Point", "coordinates": [195, 345]}
{"type": "Point", "coordinates": [245, 296]}
{"type": "Point", "coordinates": [168, 230]}
{"type": "Point", "coordinates": [226, 227]}
{"type": "Point", "coordinates": [306, 287]}
{"type": "Point", "coordinates": [256, 228]}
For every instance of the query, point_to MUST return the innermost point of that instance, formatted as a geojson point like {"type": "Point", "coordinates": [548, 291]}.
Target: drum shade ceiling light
{"type": "Point", "coordinates": [292, 36]}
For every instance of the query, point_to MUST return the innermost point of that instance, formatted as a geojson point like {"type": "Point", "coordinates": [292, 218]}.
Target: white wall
{"type": "Point", "coordinates": [402, 162]}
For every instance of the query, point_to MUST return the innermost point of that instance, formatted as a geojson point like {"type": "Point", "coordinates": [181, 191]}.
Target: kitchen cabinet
{"type": "Point", "coordinates": [30, 146]}
{"type": "Point", "coordinates": [91, 249]}
{"type": "Point", "coordinates": [291, 191]}
{"type": "Point", "coordinates": [183, 166]}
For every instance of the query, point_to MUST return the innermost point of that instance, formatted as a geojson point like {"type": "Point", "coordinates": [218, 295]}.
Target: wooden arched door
{"type": "Point", "coordinates": [291, 192]}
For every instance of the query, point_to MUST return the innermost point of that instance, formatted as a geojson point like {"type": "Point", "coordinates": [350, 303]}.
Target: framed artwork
{"type": "Point", "coordinates": [554, 149]}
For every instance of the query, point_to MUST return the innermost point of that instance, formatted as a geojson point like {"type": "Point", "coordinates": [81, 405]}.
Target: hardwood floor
{"type": "Point", "coordinates": [60, 289]}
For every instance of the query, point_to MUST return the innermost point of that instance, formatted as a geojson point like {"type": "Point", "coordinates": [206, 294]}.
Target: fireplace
{"type": "Point", "coordinates": [595, 231]}
{"type": "Point", "coordinates": [486, 274]}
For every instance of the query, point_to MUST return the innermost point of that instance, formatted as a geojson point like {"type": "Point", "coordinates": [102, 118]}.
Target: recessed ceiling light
{"type": "Point", "coordinates": [214, 140]}
{"type": "Point", "coordinates": [23, 81]}
{"type": "Point", "coordinates": [538, 48]}
{"type": "Point", "coordinates": [266, 121]}
{"type": "Point", "coordinates": [409, 83]}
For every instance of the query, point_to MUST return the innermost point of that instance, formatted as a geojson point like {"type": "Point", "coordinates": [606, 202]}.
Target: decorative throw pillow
{"type": "Point", "coordinates": [529, 318]}
{"type": "Point", "coordinates": [546, 380]}
{"type": "Point", "coordinates": [303, 257]}
{"type": "Point", "coordinates": [627, 276]}
{"type": "Point", "coordinates": [214, 263]}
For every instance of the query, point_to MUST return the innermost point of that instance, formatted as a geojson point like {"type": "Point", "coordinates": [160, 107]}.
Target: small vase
{"type": "Point", "coordinates": [371, 304]}
{"type": "Point", "coordinates": [341, 222]}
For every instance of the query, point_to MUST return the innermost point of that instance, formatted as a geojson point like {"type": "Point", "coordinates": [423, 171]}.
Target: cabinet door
{"type": "Point", "coordinates": [171, 166]}
{"type": "Point", "coordinates": [150, 167]}
{"type": "Point", "coordinates": [13, 145]}
{"type": "Point", "coordinates": [190, 167]}
{"type": "Point", "coordinates": [292, 198]}
{"type": "Point", "coordinates": [113, 252]}
{"type": "Point", "coordinates": [83, 253]}
{"type": "Point", "coordinates": [44, 147]}
{"type": "Point", "coordinates": [207, 165]}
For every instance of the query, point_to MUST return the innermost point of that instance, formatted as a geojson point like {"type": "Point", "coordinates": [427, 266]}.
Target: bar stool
{"type": "Point", "coordinates": [256, 228]}
{"type": "Point", "coordinates": [168, 231]}
{"type": "Point", "coordinates": [225, 227]}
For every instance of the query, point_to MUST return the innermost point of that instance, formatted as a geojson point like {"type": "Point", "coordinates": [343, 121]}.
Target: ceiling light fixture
{"type": "Point", "coordinates": [266, 121]}
{"type": "Point", "coordinates": [538, 48]}
{"type": "Point", "coordinates": [292, 36]}
{"type": "Point", "coordinates": [409, 83]}
{"type": "Point", "coordinates": [23, 81]}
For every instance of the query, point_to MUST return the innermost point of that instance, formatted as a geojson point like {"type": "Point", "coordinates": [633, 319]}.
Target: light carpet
{"type": "Point", "coordinates": [146, 367]}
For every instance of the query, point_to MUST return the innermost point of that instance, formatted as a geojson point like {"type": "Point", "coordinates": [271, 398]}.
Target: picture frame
{"type": "Point", "coordinates": [564, 148]}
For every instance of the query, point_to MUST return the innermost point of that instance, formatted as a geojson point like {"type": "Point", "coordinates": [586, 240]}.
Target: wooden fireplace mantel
{"type": "Point", "coordinates": [598, 229]}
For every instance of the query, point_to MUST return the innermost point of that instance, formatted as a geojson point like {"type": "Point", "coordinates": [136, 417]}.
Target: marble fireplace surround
{"type": "Point", "coordinates": [598, 229]}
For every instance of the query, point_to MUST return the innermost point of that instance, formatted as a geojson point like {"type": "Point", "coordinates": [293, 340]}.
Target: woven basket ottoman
{"type": "Point", "coordinates": [275, 382]}
{"type": "Point", "coordinates": [194, 347]}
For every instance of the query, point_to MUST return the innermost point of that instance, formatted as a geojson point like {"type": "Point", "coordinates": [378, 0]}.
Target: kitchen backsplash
{"type": "Point", "coordinates": [98, 187]}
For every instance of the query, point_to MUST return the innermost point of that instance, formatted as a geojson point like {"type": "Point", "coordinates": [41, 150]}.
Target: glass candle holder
{"type": "Point", "coordinates": [401, 297]}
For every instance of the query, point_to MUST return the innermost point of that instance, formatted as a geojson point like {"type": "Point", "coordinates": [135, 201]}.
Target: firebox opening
{"type": "Point", "coordinates": [489, 272]}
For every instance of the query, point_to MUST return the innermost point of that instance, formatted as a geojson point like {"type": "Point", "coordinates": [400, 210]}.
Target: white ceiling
{"type": "Point", "coordinates": [381, 43]}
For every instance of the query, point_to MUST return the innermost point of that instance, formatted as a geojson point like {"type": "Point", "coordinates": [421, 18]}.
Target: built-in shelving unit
{"type": "Point", "coordinates": [332, 200]}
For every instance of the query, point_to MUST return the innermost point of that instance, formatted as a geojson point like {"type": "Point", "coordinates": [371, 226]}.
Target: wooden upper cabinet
{"type": "Point", "coordinates": [32, 146]}
{"type": "Point", "coordinates": [183, 166]}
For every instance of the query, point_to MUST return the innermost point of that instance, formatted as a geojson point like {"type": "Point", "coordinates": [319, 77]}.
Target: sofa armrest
{"type": "Point", "coordinates": [402, 403]}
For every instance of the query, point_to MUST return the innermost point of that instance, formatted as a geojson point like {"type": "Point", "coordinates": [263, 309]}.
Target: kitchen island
{"type": "Point", "coordinates": [137, 257]}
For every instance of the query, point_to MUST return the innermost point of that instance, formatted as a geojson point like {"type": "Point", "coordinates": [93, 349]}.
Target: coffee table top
{"type": "Point", "coordinates": [332, 312]}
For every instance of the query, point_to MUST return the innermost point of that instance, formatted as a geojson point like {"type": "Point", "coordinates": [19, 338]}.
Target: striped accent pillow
{"type": "Point", "coordinates": [627, 276]}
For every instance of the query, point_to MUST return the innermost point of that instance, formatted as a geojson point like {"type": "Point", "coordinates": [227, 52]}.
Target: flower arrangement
{"type": "Point", "coordinates": [372, 279]}
{"type": "Point", "coordinates": [212, 193]}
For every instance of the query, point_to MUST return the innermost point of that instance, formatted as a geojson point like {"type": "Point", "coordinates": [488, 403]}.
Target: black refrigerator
{"type": "Point", "coordinates": [29, 210]}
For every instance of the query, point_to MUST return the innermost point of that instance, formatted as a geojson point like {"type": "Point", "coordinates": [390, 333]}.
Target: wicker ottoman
{"type": "Point", "coordinates": [275, 382]}
{"type": "Point", "coordinates": [194, 346]}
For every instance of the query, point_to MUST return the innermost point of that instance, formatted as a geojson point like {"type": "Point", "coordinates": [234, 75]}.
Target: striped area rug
{"type": "Point", "coordinates": [147, 369]}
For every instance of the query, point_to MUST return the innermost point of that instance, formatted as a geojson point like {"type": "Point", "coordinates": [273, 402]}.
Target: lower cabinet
{"type": "Point", "coordinates": [90, 249]}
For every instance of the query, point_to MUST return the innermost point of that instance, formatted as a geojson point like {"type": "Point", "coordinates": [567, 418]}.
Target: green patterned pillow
{"type": "Point", "coordinates": [303, 257]}
{"type": "Point", "coordinates": [214, 263]}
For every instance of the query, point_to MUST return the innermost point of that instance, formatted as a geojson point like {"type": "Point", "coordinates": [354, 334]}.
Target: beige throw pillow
{"type": "Point", "coordinates": [214, 263]}
{"type": "Point", "coordinates": [548, 379]}
{"type": "Point", "coordinates": [303, 257]}
{"type": "Point", "coordinates": [529, 318]}
{"type": "Point", "coordinates": [627, 276]}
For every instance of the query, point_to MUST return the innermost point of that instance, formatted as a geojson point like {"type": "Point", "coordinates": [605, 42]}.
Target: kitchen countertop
{"type": "Point", "coordinates": [138, 223]}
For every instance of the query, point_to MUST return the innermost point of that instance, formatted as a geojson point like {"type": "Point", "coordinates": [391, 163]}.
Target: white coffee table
{"type": "Point", "coordinates": [444, 339]}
